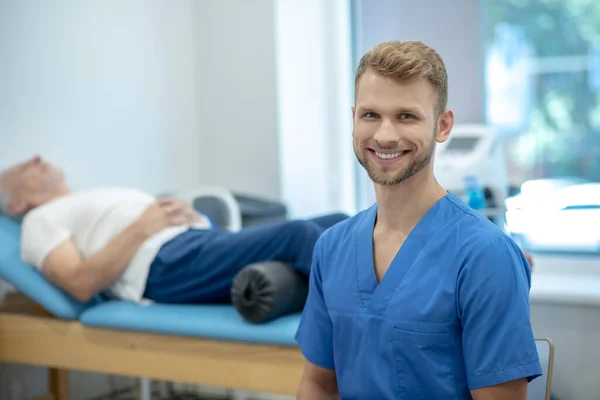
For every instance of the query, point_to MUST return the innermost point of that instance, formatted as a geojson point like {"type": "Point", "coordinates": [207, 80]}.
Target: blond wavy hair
{"type": "Point", "coordinates": [407, 62]}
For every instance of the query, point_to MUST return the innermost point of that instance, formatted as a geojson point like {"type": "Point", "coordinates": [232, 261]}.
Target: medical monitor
{"type": "Point", "coordinates": [462, 143]}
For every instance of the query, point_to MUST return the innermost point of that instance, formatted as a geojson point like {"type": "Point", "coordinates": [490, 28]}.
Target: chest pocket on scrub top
{"type": "Point", "coordinates": [423, 361]}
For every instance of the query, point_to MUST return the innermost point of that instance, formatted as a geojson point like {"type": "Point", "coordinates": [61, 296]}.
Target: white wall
{"type": "Point", "coordinates": [314, 65]}
{"type": "Point", "coordinates": [237, 95]}
{"type": "Point", "coordinates": [102, 88]}
{"type": "Point", "coordinates": [262, 135]}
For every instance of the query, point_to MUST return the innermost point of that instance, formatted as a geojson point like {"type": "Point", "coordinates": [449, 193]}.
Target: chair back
{"type": "Point", "coordinates": [216, 202]}
{"type": "Point", "coordinates": [541, 387]}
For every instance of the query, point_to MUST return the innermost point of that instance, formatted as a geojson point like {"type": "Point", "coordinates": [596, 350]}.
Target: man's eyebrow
{"type": "Point", "coordinates": [400, 110]}
{"type": "Point", "coordinates": [364, 108]}
{"type": "Point", "coordinates": [409, 110]}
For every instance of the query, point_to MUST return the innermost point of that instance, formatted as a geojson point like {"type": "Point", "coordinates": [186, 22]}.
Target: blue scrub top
{"type": "Point", "coordinates": [451, 313]}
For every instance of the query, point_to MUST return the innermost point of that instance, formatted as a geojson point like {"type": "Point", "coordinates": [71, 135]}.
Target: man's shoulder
{"type": "Point", "coordinates": [49, 210]}
{"type": "Point", "coordinates": [37, 214]}
{"type": "Point", "coordinates": [474, 227]}
{"type": "Point", "coordinates": [339, 234]}
{"type": "Point", "coordinates": [482, 241]}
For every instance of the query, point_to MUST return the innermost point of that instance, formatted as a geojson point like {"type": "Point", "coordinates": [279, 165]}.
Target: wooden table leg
{"type": "Point", "coordinates": [59, 383]}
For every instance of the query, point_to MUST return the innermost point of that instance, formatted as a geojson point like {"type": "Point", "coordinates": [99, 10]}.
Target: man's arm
{"type": "Point", "coordinates": [315, 335]}
{"type": "Point", "coordinates": [512, 390]}
{"type": "Point", "coordinates": [317, 384]}
{"type": "Point", "coordinates": [498, 344]}
{"type": "Point", "coordinates": [84, 278]}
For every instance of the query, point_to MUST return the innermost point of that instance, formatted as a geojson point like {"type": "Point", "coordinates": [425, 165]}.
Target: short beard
{"type": "Point", "coordinates": [384, 177]}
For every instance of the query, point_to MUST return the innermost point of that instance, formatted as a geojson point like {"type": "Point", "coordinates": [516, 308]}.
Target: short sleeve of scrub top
{"type": "Point", "coordinates": [315, 333]}
{"type": "Point", "coordinates": [493, 304]}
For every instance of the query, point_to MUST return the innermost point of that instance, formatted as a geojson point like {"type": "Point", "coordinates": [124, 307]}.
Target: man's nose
{"type": "Point", "coordinates": [386, 135]}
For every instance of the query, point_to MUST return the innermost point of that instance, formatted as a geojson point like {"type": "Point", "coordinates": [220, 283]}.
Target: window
{"type": "Point", "coordinates": [543, 94]}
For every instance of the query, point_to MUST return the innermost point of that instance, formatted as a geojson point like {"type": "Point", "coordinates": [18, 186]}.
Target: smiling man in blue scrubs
{"type": "Point", "coordinates": [418, 297]}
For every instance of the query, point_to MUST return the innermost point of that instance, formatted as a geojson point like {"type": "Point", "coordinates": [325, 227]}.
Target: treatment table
{"type": "Point", "coordinates": [200, 344]}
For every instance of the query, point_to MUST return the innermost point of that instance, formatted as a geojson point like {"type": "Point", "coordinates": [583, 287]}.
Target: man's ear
{"type": "Point", "coordinates": [445, 125]}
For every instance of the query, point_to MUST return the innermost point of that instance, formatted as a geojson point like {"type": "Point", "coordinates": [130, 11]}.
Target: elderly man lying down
{"type": "Point", "coordinates": [132, 246]}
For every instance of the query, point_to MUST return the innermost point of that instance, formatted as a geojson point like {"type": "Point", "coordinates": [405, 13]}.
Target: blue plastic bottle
{"type": "Point", "coordinates": [474, 192]}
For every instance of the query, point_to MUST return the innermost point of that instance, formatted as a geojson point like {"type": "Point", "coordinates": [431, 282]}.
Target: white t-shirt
{"type": "Point", "coordinates": [92, 218]}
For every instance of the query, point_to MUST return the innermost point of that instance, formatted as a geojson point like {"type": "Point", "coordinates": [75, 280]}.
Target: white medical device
{"type": "Point", "coordinates": [473, 149]}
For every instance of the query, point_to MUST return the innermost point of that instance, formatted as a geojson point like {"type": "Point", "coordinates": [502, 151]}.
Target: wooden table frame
{"type": "Point", "coordinates": [28, 335]}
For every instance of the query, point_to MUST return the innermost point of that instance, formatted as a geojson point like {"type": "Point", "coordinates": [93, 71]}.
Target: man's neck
{"type": "Point", "coordinates": [400, 207]}
{"type": "Point", "coordinates": [62, 190]}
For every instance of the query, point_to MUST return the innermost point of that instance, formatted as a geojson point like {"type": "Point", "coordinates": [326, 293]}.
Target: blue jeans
{"type": "Point", "coordinates": [199, 266]}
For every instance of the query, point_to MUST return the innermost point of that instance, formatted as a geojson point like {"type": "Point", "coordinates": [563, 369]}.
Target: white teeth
{"type": "Point", "coordinates": [388, 156]}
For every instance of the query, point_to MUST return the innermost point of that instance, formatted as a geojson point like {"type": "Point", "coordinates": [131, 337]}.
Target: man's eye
{"type": "Point", "coordinates": [370, 115]}
{"type": "Point", "coordinates": [406, 116]}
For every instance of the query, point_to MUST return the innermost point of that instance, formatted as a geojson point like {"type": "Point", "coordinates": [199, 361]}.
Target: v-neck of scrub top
{"type": "Point", "coordinates": [374, 295]}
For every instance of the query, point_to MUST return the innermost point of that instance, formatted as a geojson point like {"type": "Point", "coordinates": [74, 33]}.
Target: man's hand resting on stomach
{"type": "Point", "coordinates": [164, 213]}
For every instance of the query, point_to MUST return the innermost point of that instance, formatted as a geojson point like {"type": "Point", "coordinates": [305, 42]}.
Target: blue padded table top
{"type": "Point", "coordinates": [27, 279]}
{"type": "Point", "coordinates": [220, 322]}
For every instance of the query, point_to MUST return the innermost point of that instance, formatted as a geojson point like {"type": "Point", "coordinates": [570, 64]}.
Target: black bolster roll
{"type": "Point", "coordinates": [264, 291]}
